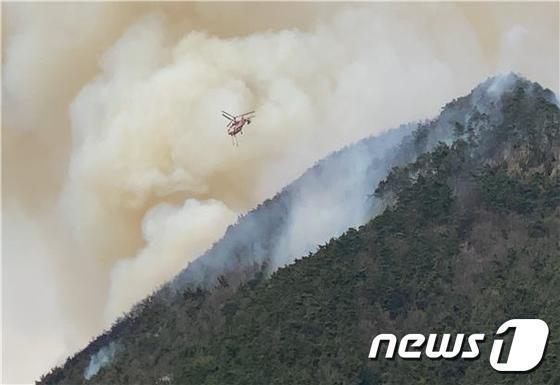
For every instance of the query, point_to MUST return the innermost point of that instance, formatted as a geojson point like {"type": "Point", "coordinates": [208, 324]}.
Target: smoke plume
{"type": "Point", "coordinates": [117, 169]}
{"type": "Point", "coordinates": [100, 359]}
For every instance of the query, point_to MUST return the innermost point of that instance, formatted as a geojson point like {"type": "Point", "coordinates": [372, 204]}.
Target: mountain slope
{"type": "Point", "coordinates": [468, 238]}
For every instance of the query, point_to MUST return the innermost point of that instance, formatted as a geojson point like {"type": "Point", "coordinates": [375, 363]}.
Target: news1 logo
{"type": "Point", "coordinates": [525, 353]}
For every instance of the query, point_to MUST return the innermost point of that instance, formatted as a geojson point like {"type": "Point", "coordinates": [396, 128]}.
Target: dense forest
{"type": "Point", "coordinates": [468, 237]}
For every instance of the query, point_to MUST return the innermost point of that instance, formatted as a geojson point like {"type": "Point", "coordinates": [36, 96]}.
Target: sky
{"type": "Point", "coordinates": [116, 169]}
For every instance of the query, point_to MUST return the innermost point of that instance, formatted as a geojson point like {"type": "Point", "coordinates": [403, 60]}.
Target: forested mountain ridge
{"type": "Point", "coordinates": [468, 238]}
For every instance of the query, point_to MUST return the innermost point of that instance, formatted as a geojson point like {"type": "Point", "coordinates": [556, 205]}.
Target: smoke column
{"type": "Point", "coordinates": [116, 168]}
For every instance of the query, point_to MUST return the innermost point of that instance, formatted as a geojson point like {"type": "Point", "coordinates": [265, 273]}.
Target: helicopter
{"type": "Point", "coordinates": [236, 124]}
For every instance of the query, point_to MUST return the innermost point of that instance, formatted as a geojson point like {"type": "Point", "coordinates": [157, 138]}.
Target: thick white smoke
{"type": "Point", "coordinates": [115, 149]}
{"type": "Point", "coordinates": [148, 128]}
{"type": "Point", "coordinates": [172, 234]}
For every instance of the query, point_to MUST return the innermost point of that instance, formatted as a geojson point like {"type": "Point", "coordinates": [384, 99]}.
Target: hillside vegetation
{"type": "Point", "coordinates": [468, 238]}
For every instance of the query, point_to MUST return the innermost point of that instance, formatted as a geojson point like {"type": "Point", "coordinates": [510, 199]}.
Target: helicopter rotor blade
{"type": "Point", "coordinates": [247, 113]}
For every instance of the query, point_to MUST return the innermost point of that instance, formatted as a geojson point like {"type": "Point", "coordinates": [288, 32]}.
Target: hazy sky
{"type": "Point", "coordinates": [116, 167]}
